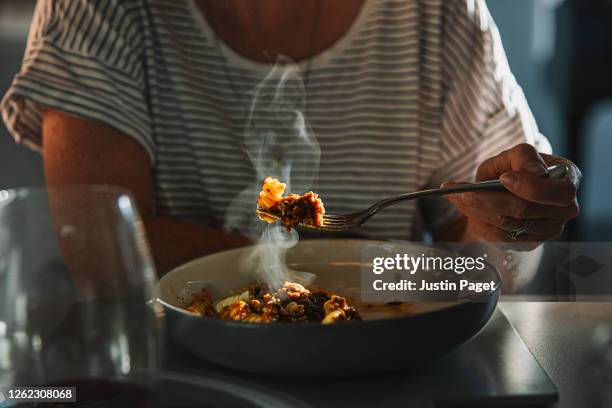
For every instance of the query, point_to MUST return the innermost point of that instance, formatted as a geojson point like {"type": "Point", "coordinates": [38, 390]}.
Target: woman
{"type": "Point", "coordinates": [153, 95]}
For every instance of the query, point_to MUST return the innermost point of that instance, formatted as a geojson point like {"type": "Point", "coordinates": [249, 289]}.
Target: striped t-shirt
{"type": "Point", "coordinates": [416, 92]}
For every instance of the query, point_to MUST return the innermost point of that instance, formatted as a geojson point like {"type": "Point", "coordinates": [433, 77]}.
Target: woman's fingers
{"type": "Point", "coordinates": [550, 228]}
{"type": "Point", "coordinates": [561, 192]}
{"type": "Point", "coordinates": [492, 234]}
{"type": "Point", "coordinates": [522, 157]}
{"type": "Point", "coordinates": [508, 204]}
{"type": "Point", "coordinates": [574, 175]}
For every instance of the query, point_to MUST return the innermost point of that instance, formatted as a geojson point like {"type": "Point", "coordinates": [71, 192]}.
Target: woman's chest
{"type": "Point", "coordinates": [362, 103]}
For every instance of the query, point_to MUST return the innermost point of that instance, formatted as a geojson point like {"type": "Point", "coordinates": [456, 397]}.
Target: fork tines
{"type": "Point", "coordinates": [335, 222]}
{"type": "Point", "coordinates": [330, 222]}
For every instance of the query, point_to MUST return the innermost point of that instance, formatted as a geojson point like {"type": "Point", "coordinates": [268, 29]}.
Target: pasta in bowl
{"type": "Point", "coordinates": [292, 303]}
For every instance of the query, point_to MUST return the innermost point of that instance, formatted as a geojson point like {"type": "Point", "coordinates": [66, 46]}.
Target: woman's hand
{"type": "Point", "coordinates": [548, 204]}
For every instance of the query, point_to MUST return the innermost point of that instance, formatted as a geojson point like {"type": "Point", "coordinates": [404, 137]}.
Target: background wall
{"type": "Point", "coordinates": [18, 166]}
{"type": "Point", "coordinates": [551, 47]}
{"type": "Point", "coordinates": [539, 38]}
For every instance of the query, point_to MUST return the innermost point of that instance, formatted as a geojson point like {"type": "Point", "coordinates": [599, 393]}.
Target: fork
{"type": "Point", "coordinates": [346, 222]}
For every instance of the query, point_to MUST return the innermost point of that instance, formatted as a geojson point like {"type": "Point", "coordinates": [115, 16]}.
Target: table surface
{"type": "Point", "coordinates": [560, 337]}
{"type": "Point", "coordinates": [495, 369]}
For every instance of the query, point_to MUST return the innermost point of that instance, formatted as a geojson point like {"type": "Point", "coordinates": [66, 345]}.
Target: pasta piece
{"type": "Point", "coordinates": [271, 193]}
{"type": "Point", "coordinates": [201, 303]}
{"type": "Point", "coordinates": [219, 306]}
{"type": "Point", "coordinates": [236, 311]}
{"type": "Point", "coordinates": [337, 309]}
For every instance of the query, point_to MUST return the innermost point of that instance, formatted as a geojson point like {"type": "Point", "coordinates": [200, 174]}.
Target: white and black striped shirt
{"type": "Point", "coordinates": [415, 93]}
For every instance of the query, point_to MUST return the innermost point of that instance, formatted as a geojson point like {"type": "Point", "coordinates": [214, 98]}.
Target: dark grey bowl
{"type": "Point", "coordinates": [314, 350]}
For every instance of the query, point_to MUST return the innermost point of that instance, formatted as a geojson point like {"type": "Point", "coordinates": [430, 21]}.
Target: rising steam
{"type": "Point", "coordinates": [279, 143]}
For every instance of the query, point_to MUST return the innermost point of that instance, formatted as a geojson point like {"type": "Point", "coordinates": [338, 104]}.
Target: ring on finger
{"type": "Point", "coordinates": [514, 234]}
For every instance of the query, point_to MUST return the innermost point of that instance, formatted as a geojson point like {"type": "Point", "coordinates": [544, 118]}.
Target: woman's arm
{"type": "Point", "coordinates": [78, 151]}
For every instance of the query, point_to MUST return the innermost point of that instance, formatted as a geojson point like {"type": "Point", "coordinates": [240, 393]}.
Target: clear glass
{"type": "Point", "coordinates": [76, 283]}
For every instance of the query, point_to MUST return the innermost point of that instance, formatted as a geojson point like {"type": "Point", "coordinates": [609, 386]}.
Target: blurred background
{"type": "Point", "coordinates": [558, 50]}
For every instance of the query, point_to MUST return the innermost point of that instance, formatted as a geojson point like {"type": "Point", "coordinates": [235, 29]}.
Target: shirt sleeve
{"type": "Point", "coordinates": [484, 109]}
{"type": "Point", "coordinates": [85, 58]}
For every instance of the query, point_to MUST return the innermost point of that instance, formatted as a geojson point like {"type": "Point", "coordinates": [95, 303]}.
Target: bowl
{"type": "Point", "coordinates": [390, 338]}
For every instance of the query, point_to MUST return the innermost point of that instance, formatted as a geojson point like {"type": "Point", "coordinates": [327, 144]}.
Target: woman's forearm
{"type": "Point", "coordinates": [78, 151]}
{"type": "Point", "coordinates": [174, 242]}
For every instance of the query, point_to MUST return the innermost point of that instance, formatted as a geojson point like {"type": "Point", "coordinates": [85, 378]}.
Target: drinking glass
{"type": "Point", "coordinates": [76, 288]}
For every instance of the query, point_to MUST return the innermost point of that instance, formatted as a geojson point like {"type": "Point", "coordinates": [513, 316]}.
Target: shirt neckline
{"type": "Point", "coordinates": [234, 58]}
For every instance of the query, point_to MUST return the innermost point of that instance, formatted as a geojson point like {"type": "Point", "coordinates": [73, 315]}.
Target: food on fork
{"type": "Point", "coordinates": [293, 209]}
{"type": "Point", "coordinates": [292, 303]}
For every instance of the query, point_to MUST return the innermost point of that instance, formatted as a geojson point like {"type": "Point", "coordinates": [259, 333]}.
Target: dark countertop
{"type": "Point", "coordinates": [560, 336]}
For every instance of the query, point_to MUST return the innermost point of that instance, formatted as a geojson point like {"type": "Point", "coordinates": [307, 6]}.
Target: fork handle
{"type": "Point", "coordinates": [555, 172]}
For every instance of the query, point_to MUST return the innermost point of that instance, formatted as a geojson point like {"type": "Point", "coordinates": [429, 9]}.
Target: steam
{"type": "Point", "coordinates": [279, 143]}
